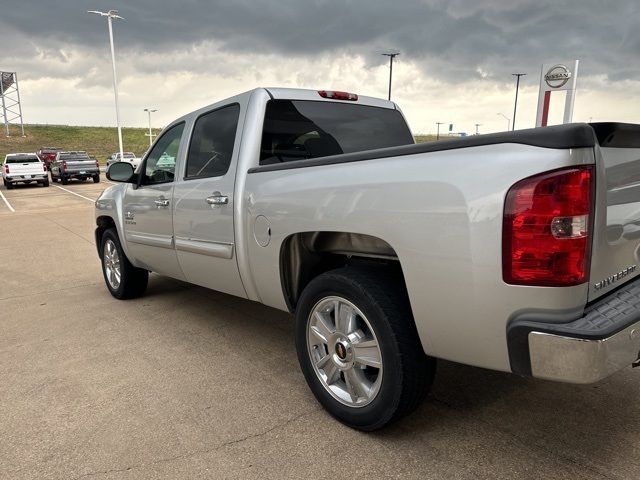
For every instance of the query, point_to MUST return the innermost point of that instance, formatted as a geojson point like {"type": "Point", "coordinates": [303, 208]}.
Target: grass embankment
{"type": "Point", "coordinates": [428, 138]}
{"type": "Point", "coordinates": [99, 142]}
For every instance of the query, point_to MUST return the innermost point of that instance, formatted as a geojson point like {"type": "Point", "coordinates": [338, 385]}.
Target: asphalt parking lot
{"type": "Point", "coordinates": [190, 383]}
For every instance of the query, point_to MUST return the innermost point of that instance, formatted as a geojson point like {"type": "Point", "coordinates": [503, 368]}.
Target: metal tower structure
{"type": "Point", "coordinates": [10, 95]}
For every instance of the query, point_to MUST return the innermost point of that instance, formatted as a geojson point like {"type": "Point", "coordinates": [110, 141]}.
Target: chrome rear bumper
{"type": "Point", "coordinates": [603, 340]}
{"type": "Point", "coordinates": [37, 177]}
{"type": "Point", "coordinates": [579, 360]}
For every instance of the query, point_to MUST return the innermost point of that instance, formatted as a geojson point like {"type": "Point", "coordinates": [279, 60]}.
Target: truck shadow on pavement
{"type": "Point", "coordinates": [585, 426]}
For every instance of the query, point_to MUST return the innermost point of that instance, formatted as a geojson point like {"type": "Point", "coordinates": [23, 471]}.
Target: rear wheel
{"type": "Point", "coordinates": [45, 183]}
{"type": "Point", "coordinates": [96, 179]}
{"type": "Point", "coordinates": [359, 349]}
{"type": "Point", "coordinates": [64, 180]}
{"type": "Point", "coordinates": [9, 185]}
{"type": "Point", "coordinates": [122, 279]}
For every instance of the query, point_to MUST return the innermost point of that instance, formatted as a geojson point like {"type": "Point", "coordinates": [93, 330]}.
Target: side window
{"type": "Point", "coordinates": [211, 147]}
{"type": "Point", "coordinates": [160, 165]}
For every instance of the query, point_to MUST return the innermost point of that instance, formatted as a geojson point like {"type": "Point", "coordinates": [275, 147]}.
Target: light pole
{"type": "Point", "coordinates": [477, 126]}
{"type": "Point", "coordinates": [111, 14]}
{"type": "Point", "coordinates": [507, 119]}
{"type": "Point", "coordinates": [150, 134]}
{"type": "Point", "coordinates": [438, 131]}
{"type": "Point", "coordinates": [391, 57]}
{"type": "Point", "coordinates": [515, 107]}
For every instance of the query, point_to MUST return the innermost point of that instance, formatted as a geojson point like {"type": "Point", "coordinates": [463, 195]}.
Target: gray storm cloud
{"type": "Point", "coordinates": [452, 40]}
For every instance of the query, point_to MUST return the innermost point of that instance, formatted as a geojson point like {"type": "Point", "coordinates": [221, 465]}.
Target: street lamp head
{"type": "Point", "coordinates": [150, 109]}
{"type": "Point", "coordinates": [110, 13]}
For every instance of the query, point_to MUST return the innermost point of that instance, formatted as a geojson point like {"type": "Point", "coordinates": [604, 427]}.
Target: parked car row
{"type": "Point", "coordinates": [64, 166]}
{"type": "Point", "coordinates": [31, 168]}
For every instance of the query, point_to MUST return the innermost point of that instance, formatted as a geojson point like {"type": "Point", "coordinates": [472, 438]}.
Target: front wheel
{"type": "Point", "coordinates": [122, 278]}
{"type": "Point", "coordinates": [359, 349]}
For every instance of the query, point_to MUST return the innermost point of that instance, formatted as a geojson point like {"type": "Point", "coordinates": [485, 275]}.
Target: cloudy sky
{"type": "Point", "coordinates": [455, 66]}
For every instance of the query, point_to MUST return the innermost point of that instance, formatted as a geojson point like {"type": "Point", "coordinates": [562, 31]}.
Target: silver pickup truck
{"type": "Point", "coordinates": [513, 251]}
{"type": "Point", "coordinates": [78, 165]}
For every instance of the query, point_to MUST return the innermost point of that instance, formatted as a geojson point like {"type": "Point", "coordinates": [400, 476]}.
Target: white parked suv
{"type": "Point", "coordinates": [24, 168]}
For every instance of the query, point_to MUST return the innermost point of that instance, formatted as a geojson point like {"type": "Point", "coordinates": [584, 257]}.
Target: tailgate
{"type": "Point", "coordinates": [28, 168]}
{"type": "Point", "coordinates": [77, 166]}
{"type": "Point", "coordinates": [616, 243]}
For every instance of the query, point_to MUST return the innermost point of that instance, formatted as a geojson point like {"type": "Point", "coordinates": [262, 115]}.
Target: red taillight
{"type": "Point", "coordinates": [6, 169]}
{"type": "Point", "coordinates": [338, 95]}
{"type": "Point", "coordinates": [44, 166]}
{"type": "Point", "coordinates": [64, 165]}
{"type": "Point", "coordinates": [546, 229]}
{"type": "Point", "coordinates": [97, 164]}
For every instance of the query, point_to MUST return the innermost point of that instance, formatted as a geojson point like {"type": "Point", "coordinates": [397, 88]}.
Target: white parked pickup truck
{"type": "Point", "coordinates": [514, 251]}
{"type": "Point", "coordinates": [126, 157]}
{"type": "Point", "coordinates": [24, 168]}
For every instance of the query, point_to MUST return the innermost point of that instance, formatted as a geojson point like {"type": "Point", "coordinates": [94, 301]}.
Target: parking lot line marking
{"type": "Point", "coordinates": [7, 202]}
{"type": "Point", "coordinates": [74, 193]}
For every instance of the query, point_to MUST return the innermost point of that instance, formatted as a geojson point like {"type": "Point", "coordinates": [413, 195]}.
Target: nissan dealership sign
{"type": "Point", "coordinates": [557, 77]}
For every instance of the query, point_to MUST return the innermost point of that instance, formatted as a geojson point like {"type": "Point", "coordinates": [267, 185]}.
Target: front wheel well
{"type": "Point", "coordinates": [305, 255]}
{"type": "Point", "coordinates": [103, 223]}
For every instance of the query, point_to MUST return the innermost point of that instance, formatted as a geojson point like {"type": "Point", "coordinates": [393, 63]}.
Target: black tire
{"type": "Point", "coordinates": [45, 183]}
{"type": "Point", "coordinates": [9, 185]}
{"type": "Point", "coordinates": [96, 179]}
{"type": "Point", "coordinates": [64, 180]}
{"type": "Point", "coordinates": [407, 372]}
{"type": "Point", "coordinates": [133, 280]}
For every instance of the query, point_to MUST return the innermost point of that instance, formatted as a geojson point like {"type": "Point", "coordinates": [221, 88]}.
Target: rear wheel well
{"type": "Point", "coordinates": [305, 255]}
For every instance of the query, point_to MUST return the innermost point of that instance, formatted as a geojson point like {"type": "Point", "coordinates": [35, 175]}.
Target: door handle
{"type": "Point", "coordinates": [217, 199]}
{"type": "Point", "coordinates": [161, 202]}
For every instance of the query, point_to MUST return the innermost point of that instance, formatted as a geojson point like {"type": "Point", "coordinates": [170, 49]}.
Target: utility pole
{"type": "Point", "coordinates": [150, 134]}
{"type": "Point", "coordinates": [391, 57]}
{"type": "Point", "coordinates": [438, 131]}
{"type": "Point", "coordinates": [515, 106]}
{"type": "Point", "coordinates": [478, 125]}
{"type": "Point", "coordinates": [111, 14]}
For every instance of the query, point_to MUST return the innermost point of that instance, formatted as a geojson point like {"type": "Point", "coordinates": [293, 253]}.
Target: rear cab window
{"type": "Point", "coordinates": [71, 156]}
{"type": "Point", "coordinates": [21, 159]}
{"type": "Point", "coordinates": [302, 129]}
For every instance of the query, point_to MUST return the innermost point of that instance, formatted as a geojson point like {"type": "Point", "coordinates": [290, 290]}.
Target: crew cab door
{"type": "Point", "coordinates": [203, 215]}
{"type": "Point", "coordinates": [147, 209]}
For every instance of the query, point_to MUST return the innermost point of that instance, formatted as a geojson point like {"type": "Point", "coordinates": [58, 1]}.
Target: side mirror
{"type": "Point", "coordinates": [120, 172]}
